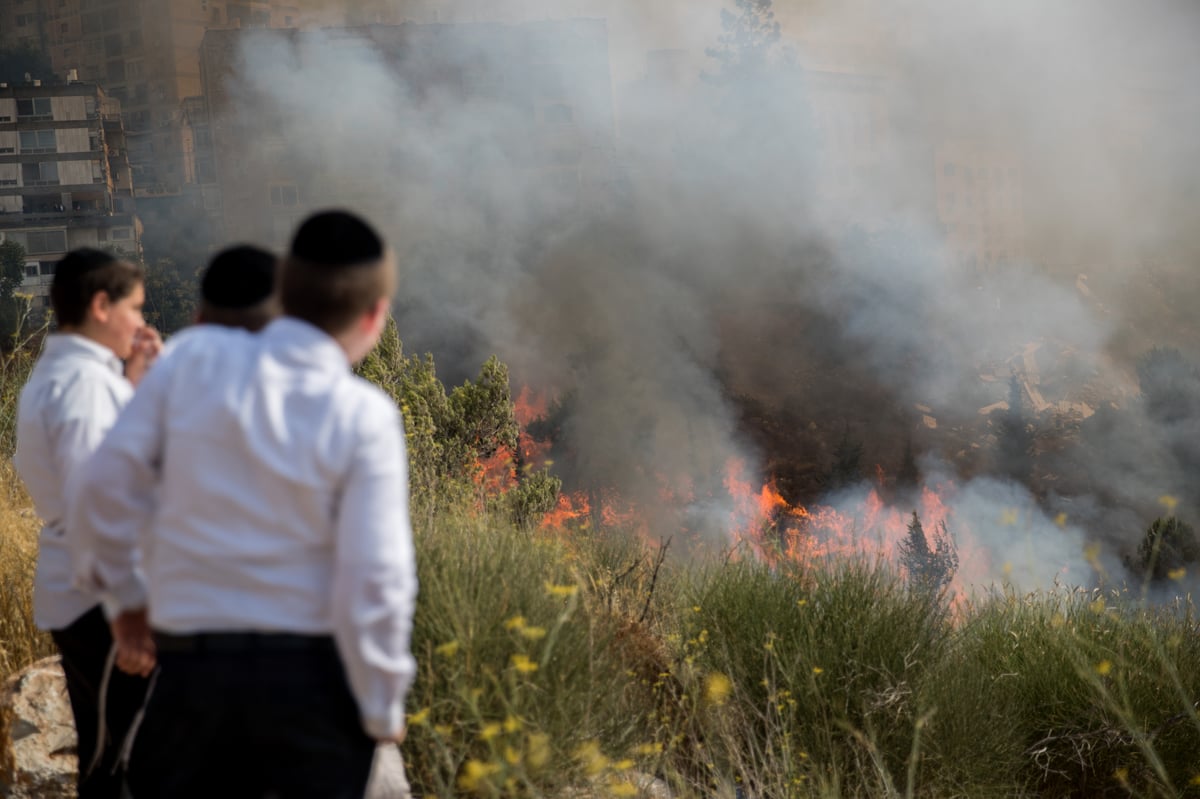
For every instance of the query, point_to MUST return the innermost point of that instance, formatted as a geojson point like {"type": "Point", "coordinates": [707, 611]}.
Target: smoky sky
{"type": "Point", "coordinates": [663, 238]}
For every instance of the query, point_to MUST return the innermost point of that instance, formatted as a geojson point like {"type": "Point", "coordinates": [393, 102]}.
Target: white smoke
{"type": "Point", "coordinates": [687, 246]}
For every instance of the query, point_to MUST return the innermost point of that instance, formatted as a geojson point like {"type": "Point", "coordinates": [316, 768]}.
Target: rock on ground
{"type": "Point", "coordinates": [37, 741]}
{"type": "Point", "coordinates": [37, 734]}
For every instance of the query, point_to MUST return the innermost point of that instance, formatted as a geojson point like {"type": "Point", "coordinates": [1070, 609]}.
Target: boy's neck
{"type": "Point", "coordinates": [85, 331]}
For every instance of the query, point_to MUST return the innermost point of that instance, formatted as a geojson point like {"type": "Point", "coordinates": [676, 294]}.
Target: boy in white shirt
{"type": "Point", "coordinates": [268, 487]}
{"type": "Point", "coordinates": [238, 289]}
{"type": "Point", "coordinates": [72, 398]}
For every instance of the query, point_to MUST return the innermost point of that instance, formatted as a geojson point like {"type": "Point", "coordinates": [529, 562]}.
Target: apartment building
{"type": "Point", "coordinates": [65, 178]}
{"type": "Point", "coordinates": [146, 54]}
{"type": "Point", "coordinates": [980, 202]}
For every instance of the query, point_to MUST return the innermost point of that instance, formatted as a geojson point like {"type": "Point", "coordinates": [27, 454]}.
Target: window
{"type": "Point", "coordinates": [47, 267]}
{"type": "Point", "coordinates": [112, 45]}
{"type": "Point", "coordinates": [35, 108]}
{"type": "Point", "coordinates": [37, 141]}
{"type": "Point", "coordinates": [47, 242]}
{"type": "Point", "coordinates": [40, 174]}
{"type": "Point", "coordinates": [31, 270]}
{"type": "Point", "coordinates": [4, 150]}
{"type": "Point", "coordinates": [283, 196]}
{"type": "Point", "coordinates": [64, 28]}
{"type": "Point", "coordinates": [121, 233]}
{"type": "Point", "coordinates": [116, 71]}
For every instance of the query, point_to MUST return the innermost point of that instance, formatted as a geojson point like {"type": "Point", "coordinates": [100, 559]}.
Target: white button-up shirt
{"type": "Point", "coordinates": [268, 488]}
{"type": "Point", "coordinates": [73, 396]}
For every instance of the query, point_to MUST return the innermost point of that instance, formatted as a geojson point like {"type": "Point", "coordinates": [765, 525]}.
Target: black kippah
{"type": "Point", "coordinates": [239, 277]}
{"type": "Point", "coordinates": [336, 238]}
{"type": "Point", "coordinates": [78, 263]}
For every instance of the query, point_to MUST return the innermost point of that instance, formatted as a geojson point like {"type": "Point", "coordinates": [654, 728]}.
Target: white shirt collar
{"type": "Point", "coordinates": [306, 343]}
{"type": "Point", "coordinates": [61, 345]}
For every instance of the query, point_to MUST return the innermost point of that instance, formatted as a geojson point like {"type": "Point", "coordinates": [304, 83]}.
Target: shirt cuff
{"type": "Point", "coordinates": [129, 594]}
{"type": "Point", "coordinates": [385, 728]}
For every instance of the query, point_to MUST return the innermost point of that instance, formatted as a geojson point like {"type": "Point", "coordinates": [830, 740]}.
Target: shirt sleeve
{"type": "Point", "coordinates": [112, 498]}
{"type": "Point", "coordinates": [375, 579]}
{"type": "Point", "coordinates": [85, 419]}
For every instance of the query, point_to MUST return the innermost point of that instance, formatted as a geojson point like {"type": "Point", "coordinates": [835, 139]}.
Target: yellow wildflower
{"type": "Point", "coordinates": [1169, 502]}
{"type": "Point", "coordinates": [515, 623]}
{"type": "Point", "coordinates": [448, 649]}
{"type": "Point", "coordinates": [817, 670]}
{"type": "Point", "coordinates": [444, 730]}
{"type": "Point", "coordinates": [1177, 574]}
{"type": "Point", "coordinates": [648, 749]}
{"type": "Point", "coordinates": [717, 688]}
{"type": "Point", "coordinates": [591, 758]}
{"type": "Point", "coordinates": [523, 664]}
{"type": "Point", "coordinates": [512, 724]}
{"type": "Point", "coordinates": [621, 787]}
{"type": "Point", "coordinates": [512, 756]}
{"type": "Point", "coordinates": [489, 731]}
{"type": "Point", "coordinates": [1009, 517]}
{"type": "Point", "coordinates": [1104, 668]}
{"type": "Point", "coordinates": [476, 775]}
{"type": "Point", "coordinates": [418, 718]}
{"type": "Point", "coordinates": [1061, 520]}
{"type": "Point", "coordinates": [538, 751]}
{"type": "Point", "coordinates": [534, 633]}
{"type": "Point", "coordinates": [561, 590]}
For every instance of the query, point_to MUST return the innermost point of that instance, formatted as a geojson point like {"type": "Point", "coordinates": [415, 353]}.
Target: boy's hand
{"type": "Point", "coordinates": [399, 739]}
{"type": "Point", "coordinates": [135, 645]}
{"type": "Point", "coordinates": [147, 344]}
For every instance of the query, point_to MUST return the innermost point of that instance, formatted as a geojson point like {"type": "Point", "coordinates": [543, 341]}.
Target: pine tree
{"type": "Point", "coordinates": [1014, 451]}
{"type": "Point", "coordinates": [847, 463]}
{"type": "Point", "coordinates": [929, 568]}
{"type": "Point", "coordinates": [1168, 546]}
{"type": "Point", "coordinates": [909, 476]}
{"type": "Point", "coordinates": [750, 37]}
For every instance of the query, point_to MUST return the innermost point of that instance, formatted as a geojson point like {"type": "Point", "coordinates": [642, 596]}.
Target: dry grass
{"type": "Point", "coordinates": [21, 643]}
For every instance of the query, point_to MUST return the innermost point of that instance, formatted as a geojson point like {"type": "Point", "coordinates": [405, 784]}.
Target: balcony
{"type": "Point", "coordinates": [67, 219]}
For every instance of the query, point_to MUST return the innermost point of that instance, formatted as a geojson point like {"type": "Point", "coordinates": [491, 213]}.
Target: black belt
{"type": "Point", "coordinates": [233, 643]}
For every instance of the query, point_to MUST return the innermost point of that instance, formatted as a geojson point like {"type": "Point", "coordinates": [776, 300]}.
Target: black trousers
{"type": "Point", "coordinates": [253, 716]}
{"type": "Point", "coordinates": [84, 647]}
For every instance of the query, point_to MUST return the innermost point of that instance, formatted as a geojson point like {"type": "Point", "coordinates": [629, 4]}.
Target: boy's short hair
{"type": "Point", "coordinates": [336, 270]}
{"type": "Point", "coordinates": [85, 272]}
{"type": "Point", "coordinates": [238, 288]}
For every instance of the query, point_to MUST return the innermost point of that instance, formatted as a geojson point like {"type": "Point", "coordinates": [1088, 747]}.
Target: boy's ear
{"type": "Point", "coordinates": [377, 316]}
{"type": "Point", "coordinates": [100, 306]}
